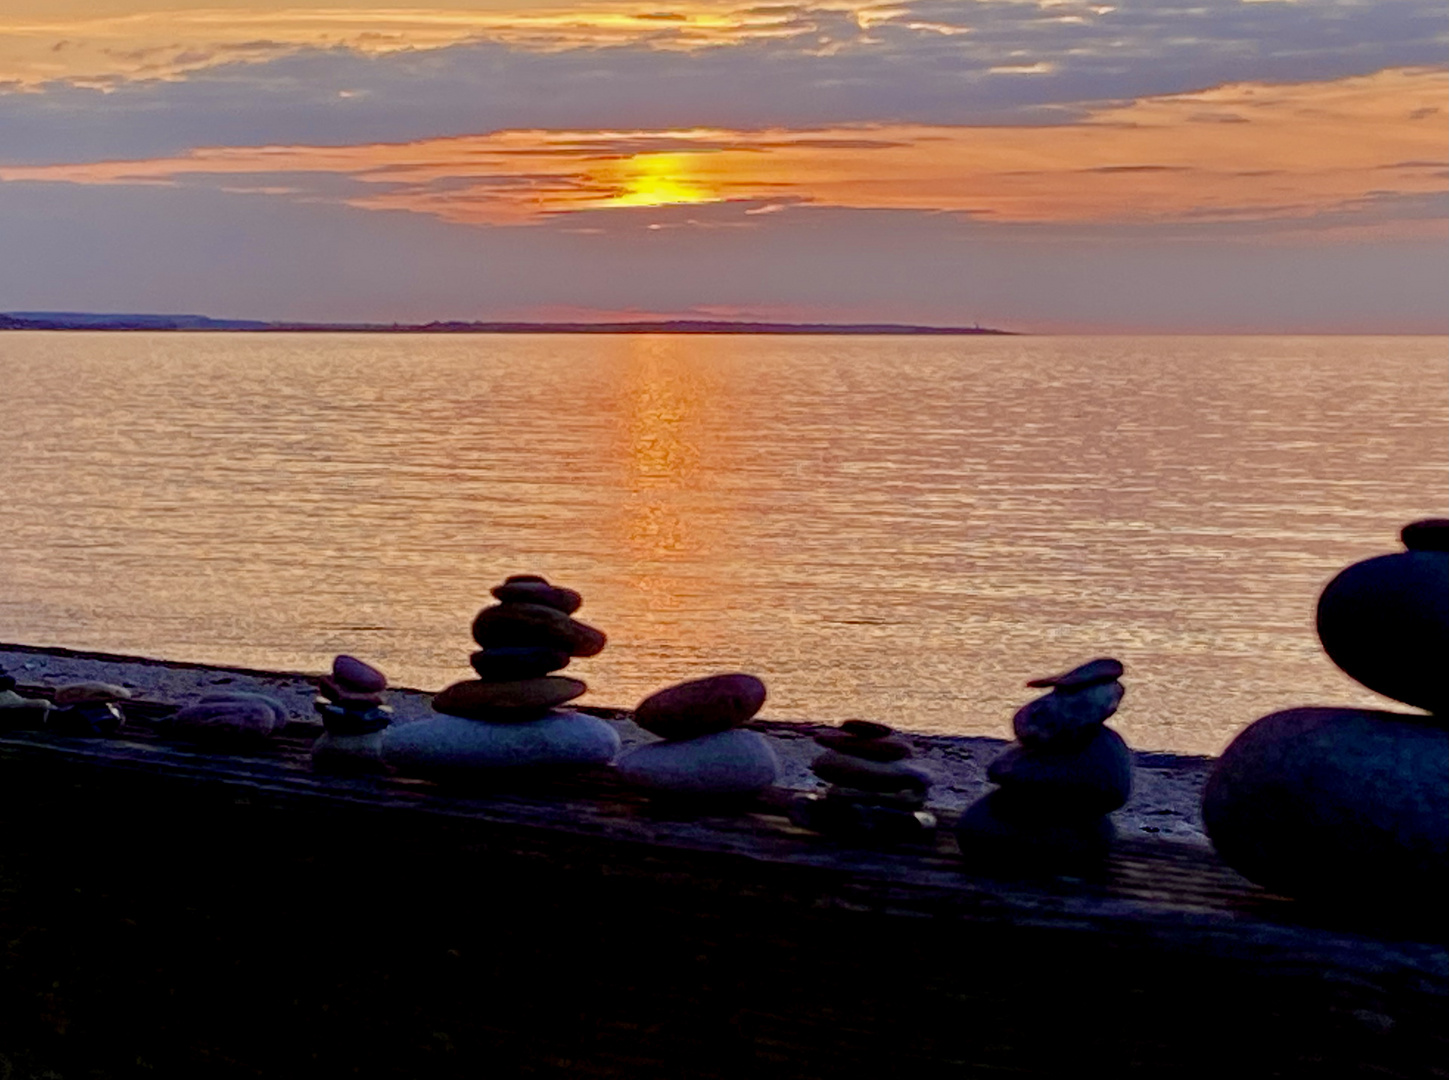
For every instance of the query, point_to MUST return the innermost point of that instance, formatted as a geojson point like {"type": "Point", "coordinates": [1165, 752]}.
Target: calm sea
{"type": "Point", "coordinates": [897, 528]}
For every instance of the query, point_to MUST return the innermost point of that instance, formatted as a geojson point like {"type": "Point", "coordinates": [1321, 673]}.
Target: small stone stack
{"type": "Point", "coordinates": [1349, 805]}
{"type": "Point", "coordinates": [1058, 782]}
{"type": "Point", "coordinates": [87, 710]}
{"type": "Point", "coordinates": [509, 717]}
{"type": "Point", "coordinates": [873, 794]}
{"type": "Point", "coordinates": [354, 717]}
{"type": "Point", "coordinates": [704, 753]}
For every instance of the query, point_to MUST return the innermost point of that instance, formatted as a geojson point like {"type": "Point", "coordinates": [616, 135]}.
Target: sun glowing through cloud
{"type": "Point", "coordinates": [660, 180]}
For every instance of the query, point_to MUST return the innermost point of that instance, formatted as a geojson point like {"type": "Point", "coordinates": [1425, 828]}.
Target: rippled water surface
{"type": "Point", "coordinates": [899, 528]}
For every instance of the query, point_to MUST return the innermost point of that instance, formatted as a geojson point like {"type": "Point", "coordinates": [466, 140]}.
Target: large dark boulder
{"type": "Point", "coordinates": [1336, 804]}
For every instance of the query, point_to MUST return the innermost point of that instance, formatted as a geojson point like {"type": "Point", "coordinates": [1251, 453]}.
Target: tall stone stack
{"type": "Point", "coordinates": [874, 795]}
{"type": "Point", "coordinates": [354, 716]}
{"type": "Point", "coordinates": [703, 752]}
{"type": "Point", "coordinates": [509, 718]}
{"type": "Point", "coordinates": [1352, 805]}
{"type": "Point", "coordinates": [1058, 782]}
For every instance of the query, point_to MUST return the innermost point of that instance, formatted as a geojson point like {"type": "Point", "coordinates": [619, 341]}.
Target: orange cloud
{"type": "Point", "coordinates": [79, 44]}
{"type": "Point", "coordinates": [1235, 153]}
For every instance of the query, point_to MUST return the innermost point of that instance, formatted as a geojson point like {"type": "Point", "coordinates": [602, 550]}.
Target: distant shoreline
{"type": "Point", "coordinates": [183, 323]}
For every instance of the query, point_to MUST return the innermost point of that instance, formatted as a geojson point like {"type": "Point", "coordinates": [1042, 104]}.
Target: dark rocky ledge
{"type": "Point", "coordinates": [177, 912]}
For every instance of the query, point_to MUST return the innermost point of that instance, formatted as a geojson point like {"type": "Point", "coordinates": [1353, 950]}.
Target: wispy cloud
{"type": "Point", "coordinates": [159, 84]}
{"type": "Point", "coordinates": [1293, 152]}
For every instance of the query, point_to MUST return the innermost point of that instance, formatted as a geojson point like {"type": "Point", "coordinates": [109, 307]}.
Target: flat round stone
{"type": "Point", "coordinates": [351, 673]}
{"type": "Point", "coordinates": [866, 729]}
{"type": "Point", "coordinates": [837, 768]}
{"type": "Point", "coordinates": [222, 721]}
{"type": "Point", "coordinates": [1067, 714]}
{"type": "Point", "coordinates": [337, 753]}
{"type": "Point", "coordinates": [1431, 534]}
{"type": "Point", "coordinates": [279, 711]}
{"type": "Point", "coordinates": [478, 699]}
{"type": "Point", "coordinates": [990, 834]}
{"type": "Point", "coordinates": [520, 662]}
{"type": "Point", "coordinates": [701, 706]}
{"type": "Point", "coordinates": [729, 762]}
{"type": "Point", "coordinates": [451, 746]}
{"type": "Point", "coordinates": [1385, 621]}
{"type": "Point", "coordinates": [1091, 673]}
{"type": "Point", "coordinates": [1089, 780]}
{"type": "Point", "coordinates": [532, 579]}
{"type": "Point", "coordinates": [1336, 803]}
{"type": "Point", "coordinates": [886, 749]}
{"type": "Point", "coordinates": [332, 690]}
{"type": "Point", "coordinates": [539, 592]}
{"type": "Point", "coordinates": [75, 693]}
{"type": "Point", "coordinates": [506, 625]}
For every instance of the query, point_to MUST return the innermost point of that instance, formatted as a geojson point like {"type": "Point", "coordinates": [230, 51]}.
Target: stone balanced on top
{"type": "Point", "coordinates": [1058, 782]}
{"type": "Point", "coordinates": [87, 710]}
{"type": "Point", "coordinates": [509, 717]}
{"type": "Point", "coordinates": [1343, 804]}
{"type": "Point", "coordinates": [354, 717]}
{"type": "Point", "coordinates": [873, 794]}
{"type": "Point", "coordinates": [703, 752]}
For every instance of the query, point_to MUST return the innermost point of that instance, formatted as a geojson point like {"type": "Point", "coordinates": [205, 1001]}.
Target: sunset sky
{"type": "Point", "coordinates": [1050, 165]}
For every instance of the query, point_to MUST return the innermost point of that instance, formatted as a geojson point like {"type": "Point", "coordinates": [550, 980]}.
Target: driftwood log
{"type": "Point", "coordinates": [168, 911]}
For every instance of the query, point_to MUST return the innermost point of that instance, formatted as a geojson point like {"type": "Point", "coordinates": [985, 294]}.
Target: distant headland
{"type": "Point", "coordinates": [74, 320]}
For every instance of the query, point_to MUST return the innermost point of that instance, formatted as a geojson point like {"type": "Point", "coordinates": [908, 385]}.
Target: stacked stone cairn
{"type": "Point", "coordinates": [228, 718]}
{"type": "Point", "coordinates": [509, 718]}
{"type": "Point", "coordinates": [873, 794]}
{"type": "Point", "coordinates": [1058, 782]}
{"type": "Point", "coordinates": [87, 710]}
{"type": "Point", "coordinates": [1345, 805]}
{"type": "Point", "coordinates": [353, 715]}
{"type": "Point", "coordinates": [17, 712]}
{"type": "Point", "coordinates": [704, 754]}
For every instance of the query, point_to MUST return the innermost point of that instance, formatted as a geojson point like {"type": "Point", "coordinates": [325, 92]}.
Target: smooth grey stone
{"type": "Point", "coordinates": [1335, 803]}
{"type": "Point", "coordinates": [1093, 779]}
{"type": "Point", "coordinates": [352, 674]}
{"type": "Point", "coordinates": [454, 744]}
{"type": "Point", "coordinates": [1102, 670]}
{"type": "Point", "coordinates": [1385, 621]}
{"type": "Point", "coordinates": [1067, 714]}
{"type": "Point", "coordinates": [730, 762]}
{"type": "Point", "coordinates": [837, 768]}
{"type": "Point", "coordinates": [337, 753]}
{"type": "Point", "coordinates": [224, 720]}
{"type": "Point", "coordinates": [279, 711]}
{"type": "Point", "coordinates": [539, 592]}
{"type": "Point", "coordinates": [77, 692]}
{"type": "Point", "coordinates": [992, 834]}
{"type": "Point", "coordinates": [698, 707]}
{"type": "Point", "coordinates": [22, 713]}
{"type": "Point", "coordinates": [520, 662]}
{"type": "Point", "coordinates": [886, 749]}
{"type": "Point", "coordinates": [1431, 534]}
{"type": "Point", "coordinates": [479, 700]}
{"type": "Point", "coordinates": [535, 624]}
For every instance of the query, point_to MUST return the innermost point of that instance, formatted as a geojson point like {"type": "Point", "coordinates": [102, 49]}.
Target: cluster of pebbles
{"type": "Point", "coordinates": [353, 716]}
{"type": "Point", "coordinates": [1058, 782]}
{"type": "Point", "coordinates": [873, 792]}
{"type": "Point", "coordinates": [703, 752]}
{"type": "Point", "coordinates": [509, 717]}
{"type": "Point", "coordinates": [1352, 805]}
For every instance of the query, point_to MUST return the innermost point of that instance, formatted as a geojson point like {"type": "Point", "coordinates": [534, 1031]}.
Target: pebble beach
{"type": "Point", "coordinates": [1165, 802]}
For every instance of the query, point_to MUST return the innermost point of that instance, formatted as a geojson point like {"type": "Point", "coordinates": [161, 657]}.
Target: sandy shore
{"type": "Point", "coordinates": [1166, 800]}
